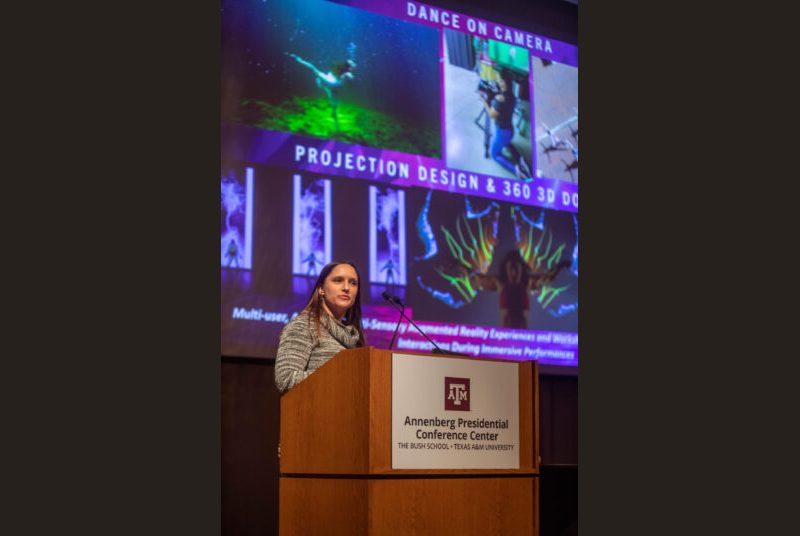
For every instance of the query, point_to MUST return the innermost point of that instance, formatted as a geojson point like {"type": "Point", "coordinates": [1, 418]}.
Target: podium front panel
{"type": "Point", "coordinates": [454, 413]}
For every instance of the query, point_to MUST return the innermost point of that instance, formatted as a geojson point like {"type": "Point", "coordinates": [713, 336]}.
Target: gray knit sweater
{"type": "Point", "coordinates": [300, 352]}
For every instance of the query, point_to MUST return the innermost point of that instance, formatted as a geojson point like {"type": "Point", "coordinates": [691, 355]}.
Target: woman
{"type": "Point", "coordinates": [515, 283]}
{"type": "Point", "coordinates": [330, 81]}
{"type": "Point", "coordinates": [329, 323]}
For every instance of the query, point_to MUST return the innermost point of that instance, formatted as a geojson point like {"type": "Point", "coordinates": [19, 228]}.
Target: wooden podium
{"type": "Point", "coordinates": [336, 473]}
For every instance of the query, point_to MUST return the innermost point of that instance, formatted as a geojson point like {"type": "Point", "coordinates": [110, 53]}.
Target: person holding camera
{"type": "Point", "coordinates": [500, 108]}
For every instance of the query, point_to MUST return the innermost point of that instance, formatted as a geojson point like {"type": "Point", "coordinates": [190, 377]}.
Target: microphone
{"type": "Point", "coordinates": [390, 298]}
{"type": "Point", "coordinates": [397, 304]}
{"type": "Point", "coordinates": [395, 300]}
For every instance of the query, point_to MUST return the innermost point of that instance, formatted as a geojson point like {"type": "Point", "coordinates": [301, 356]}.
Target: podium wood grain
{"type": "Point", "coordinates": [337, 424]}
{"type": "Point", "coordinates": [408, 506]}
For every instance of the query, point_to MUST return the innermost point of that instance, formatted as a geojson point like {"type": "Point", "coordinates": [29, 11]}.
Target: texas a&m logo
{"type": "Point", "coordinates": [456, 394]}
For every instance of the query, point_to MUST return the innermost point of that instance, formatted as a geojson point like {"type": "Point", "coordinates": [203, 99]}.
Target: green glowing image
{"type": "Point", "coordinates": [356, 124]}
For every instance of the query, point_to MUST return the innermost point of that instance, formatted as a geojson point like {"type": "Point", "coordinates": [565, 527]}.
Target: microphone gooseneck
{"type": "Point", "coordinates": [397, 327]}
{"type": "Point", "coordinates": [398, 304]}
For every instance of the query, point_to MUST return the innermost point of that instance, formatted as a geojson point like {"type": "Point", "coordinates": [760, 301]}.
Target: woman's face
{"type": "Point", "coordinates": [339, 290]}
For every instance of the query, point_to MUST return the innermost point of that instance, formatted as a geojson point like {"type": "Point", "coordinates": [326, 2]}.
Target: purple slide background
{"type": "Point", "coordinates": [548, 347]}
{"type": "Point", "coordinates": [557, 50]}
{"type": "Point", "coordinates": [258, 146]}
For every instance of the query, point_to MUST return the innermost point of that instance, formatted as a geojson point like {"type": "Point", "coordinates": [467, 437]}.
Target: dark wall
{"type": "Point", "coordinates": [558, 419]}
{"type": "Point", "coordinates": [558, 445]}
{"type": "Point", "coordinates": [250, 417]}
{"type": "Point", "coordinates": [250, 426]}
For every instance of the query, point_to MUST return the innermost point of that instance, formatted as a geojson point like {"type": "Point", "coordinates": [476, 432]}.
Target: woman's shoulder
{"type": "Point", "coordinates": [299, 331]}
{"type": "Point", "coordinates": [300, 322]}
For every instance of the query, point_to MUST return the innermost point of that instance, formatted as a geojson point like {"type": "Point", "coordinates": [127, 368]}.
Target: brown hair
{"type": "Point", "coordinates": [314, 306]}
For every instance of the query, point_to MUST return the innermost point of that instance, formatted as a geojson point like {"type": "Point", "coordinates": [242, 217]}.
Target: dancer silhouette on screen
{"type": "Point", "coordinates": [232, 253]}
{"type": "Point", "coordinates": [388, 267]}
{"type": "Point", "coordinates": [312, 264]}
{"type": "Point", "coordinates": [330, 81]}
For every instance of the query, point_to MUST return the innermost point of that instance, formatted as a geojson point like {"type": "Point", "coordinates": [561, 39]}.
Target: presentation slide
{"type": "Point", "coordinates": [436, 150]}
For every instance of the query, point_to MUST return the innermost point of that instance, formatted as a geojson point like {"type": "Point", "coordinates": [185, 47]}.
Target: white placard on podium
{"type": "Point", "coordinates": [450, 413]}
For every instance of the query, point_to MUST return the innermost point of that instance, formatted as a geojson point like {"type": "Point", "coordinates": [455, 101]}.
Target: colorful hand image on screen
{"type": "Point", "coordinates": [468, 265]}
{"type": "Point", "coordinates": [471, 251]}
{"type": "Point", "coordinates": [543, 259]}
